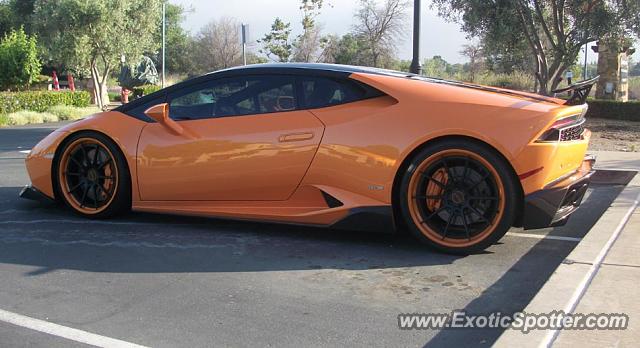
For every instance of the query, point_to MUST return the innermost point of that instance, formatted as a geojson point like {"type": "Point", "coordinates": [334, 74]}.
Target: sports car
{"type": "Point", "coordinates": [455, 164]}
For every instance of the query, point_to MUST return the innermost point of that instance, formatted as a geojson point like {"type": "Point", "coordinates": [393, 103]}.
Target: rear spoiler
{"type": "Point", "coordinates": [580, 91]}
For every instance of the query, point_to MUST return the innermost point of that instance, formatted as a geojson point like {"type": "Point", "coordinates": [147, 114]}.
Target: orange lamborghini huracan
{"type": "Point", "coordinates": [329, 145]}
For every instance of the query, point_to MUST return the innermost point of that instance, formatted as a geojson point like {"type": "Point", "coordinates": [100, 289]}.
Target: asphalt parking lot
{"type": "Point", "coordinates": [159, 280]}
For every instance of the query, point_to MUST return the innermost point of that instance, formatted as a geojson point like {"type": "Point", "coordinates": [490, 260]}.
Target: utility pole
{"type": "Point", "coordinates": [416, 68]}
{"type": "Point", "coordinates": [164, 40]}
{"type": "Point", "coordinates": [244, 44]}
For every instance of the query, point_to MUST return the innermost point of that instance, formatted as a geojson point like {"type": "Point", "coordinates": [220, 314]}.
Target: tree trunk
{"type": "Point", "coordinates": [100, 93]}
{"type": "Point", "coordinates": [97, 95]}
{"type": "Point", "coordinates": [104, 95]}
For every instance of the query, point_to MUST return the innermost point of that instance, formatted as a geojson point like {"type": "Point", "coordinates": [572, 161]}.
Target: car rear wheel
{"type": "Point", "coordinates": [92, 176]}
{"type": "Point", "coordinates": [458, 196]}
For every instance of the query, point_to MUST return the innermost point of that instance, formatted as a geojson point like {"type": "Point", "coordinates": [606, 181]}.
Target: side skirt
{"type": "Point", "coordinates": [369, 219]}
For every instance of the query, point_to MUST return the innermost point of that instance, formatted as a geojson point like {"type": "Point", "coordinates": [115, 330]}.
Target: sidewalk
{"type": "Point", "coordinates": [614, 289]}
{"type": "Point", "coordinates": [601, 275]}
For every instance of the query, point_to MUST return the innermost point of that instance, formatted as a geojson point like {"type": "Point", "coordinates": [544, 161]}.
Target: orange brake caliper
{"type": "Point", "coordinates": [434, 190]}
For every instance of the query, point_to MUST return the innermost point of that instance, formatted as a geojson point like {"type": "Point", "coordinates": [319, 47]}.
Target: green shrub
{"type": "Point", "coordinates": [145, 90]}
{"type": "Point", "coordinates": [66, 112]}
{"type": "Point", "coordinates": [41, 100]}
{"type": "Point", "coordinates": [113, 96]}
{"type": "Point", "coordinates": [517, 80]}
{"type": "Point", "coordinates": [3, 120]}
{"type": "Point", "coordinates": [23, 117]}
{"type": "Point", "coordinates": [19, 63]}
{"type": "Point", "coordinates": [614, 110]}
{"type": "Point", "coordinates": [634, 88]}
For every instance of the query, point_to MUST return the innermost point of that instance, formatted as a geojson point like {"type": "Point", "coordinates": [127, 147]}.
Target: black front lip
{"type": "Point", "coordinates": [32, 193]}
{"type": "Point", "coordinates": [553, 205]}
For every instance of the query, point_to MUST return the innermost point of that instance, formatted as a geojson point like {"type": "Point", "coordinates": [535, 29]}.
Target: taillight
{"type": "Point", "coordinates": [565, 129]}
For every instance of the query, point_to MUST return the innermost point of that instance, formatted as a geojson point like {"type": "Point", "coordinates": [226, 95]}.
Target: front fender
{"type": "Point", "coordinates": [122, 129]}
{"type": "Point", "coordinates": [40, 160]}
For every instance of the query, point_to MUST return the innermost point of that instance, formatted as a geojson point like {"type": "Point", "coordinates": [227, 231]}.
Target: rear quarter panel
{"type": "Point", "coordinates": [366, 142]}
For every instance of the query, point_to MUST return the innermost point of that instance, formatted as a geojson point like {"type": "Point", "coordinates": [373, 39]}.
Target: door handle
{"type": "Point", "coordinates": [295, 137]}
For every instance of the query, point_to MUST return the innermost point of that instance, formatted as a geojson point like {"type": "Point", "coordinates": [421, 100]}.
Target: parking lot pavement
{"type": "Point", "coordinates": [598, 276]}
{"type": "Point", "coordinates": [15, 336]}
{"type": "Point", "coordinates": [160, 280]}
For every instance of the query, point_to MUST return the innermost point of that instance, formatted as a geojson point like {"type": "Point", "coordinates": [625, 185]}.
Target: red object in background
{"type": "Point", "coordinates": [56, 83]}
{"type": "Point", "coordinates": [124, 95]}
{"type": "Point", "coordinates": [72, 85]}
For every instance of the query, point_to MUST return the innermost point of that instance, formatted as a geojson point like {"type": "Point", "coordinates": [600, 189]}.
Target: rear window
{"type": "Point", "coordinates": [319, 92]}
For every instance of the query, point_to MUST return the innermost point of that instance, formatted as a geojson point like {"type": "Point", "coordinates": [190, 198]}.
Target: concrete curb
{"type": "Point", "coordinates": [570, 278]}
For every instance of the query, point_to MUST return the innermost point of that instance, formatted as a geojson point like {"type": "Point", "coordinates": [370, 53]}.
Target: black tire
{"type": "Point", "coordinates": [101, 175]}
{"type": "Point", "coordinates": [467, 187]}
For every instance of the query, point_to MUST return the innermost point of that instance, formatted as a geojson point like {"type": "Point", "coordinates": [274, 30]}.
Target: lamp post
{"type": "Point", "coordinates": [416, 68]}
{"type": "Point", "coordinates": [243, 29]}
{"type": "Point", "coordinates": [164, 24]}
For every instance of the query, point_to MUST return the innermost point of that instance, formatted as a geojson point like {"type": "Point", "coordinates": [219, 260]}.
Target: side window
{"type": "Point", "coordinates": [204, 100]}
{"type": "Point", "coordinates": [279, 98]}
{"type": "Point", "coordinates": [234, 97]}
{"type": "Point", "coordinates": [321, 92]}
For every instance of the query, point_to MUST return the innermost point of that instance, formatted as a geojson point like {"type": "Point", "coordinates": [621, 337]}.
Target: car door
{"type": "Point", "coordinates": [244, 139]}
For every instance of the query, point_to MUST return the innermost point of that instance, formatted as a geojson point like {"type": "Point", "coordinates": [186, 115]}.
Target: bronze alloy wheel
{"type": "Point", "coordinates": [88, 175]}
{"type": "Point", "coordinates": [458, 196]}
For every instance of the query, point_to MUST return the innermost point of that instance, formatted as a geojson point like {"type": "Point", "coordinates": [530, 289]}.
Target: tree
{"type": "Point", "coordinates": [474, 54]}
{"type": "Point", "coordinates": [436, 67]}
{"type": "Point", "coordinates": [328, 48]}
{"type": "Point", "coordinates": [94, 34]}
{"type": "Point", "coordinates": [19, 63]}
{"type": "Point", "coordinates": [307, 44]}
{"type": "Point", "coordinates": [22, 11]}
{"type": "Point", "coordinates": [554, 30]}
{"type": "Point", "coordinates": [276, 43]}
{"type": "Point", "coordinates": [16, 14]}
{"type": "Point", "coordinates": [380, 29]}
{"type": "Point", "coordinates": [507, 55]}
{"type": "Point", "coordinates": [217, 45]}
{"type": "Point", "coordinates": [348, 50]}
{"type": "Point", "coordinates": [5, 18]}
{"type": "Point", "coordinates": [401, 65]}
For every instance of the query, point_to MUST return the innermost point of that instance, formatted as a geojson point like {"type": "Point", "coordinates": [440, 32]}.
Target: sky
{"type": "Point", "coordinates": [438, 37]}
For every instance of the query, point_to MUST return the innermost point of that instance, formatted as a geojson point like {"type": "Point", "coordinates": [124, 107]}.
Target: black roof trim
{"type": "Point", "coordinates": [279, 67]}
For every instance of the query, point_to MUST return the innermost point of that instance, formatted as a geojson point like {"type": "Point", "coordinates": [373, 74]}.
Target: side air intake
{"type": "Point", "coordinates": [332, 202]}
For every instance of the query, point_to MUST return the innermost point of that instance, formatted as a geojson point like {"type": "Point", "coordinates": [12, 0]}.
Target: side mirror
{"type": "Point", "coordinates": [160, 114]}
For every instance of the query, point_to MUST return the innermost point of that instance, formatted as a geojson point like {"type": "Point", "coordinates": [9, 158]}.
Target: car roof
{"type": "Point", "coordinates": [314, 69]}
{"type": "Point", "coordinates": [309, 67]}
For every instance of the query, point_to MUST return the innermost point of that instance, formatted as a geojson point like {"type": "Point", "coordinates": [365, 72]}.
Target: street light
{"type": "Point", "coordinates": [164, 20]}
{"type": "Point", "coordinates": [416, 68]}
{"type": "Point", "coordinates": [243, 30]}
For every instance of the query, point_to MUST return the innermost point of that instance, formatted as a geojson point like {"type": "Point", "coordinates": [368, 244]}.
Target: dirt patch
{"type": "Point", "coordinates": [614, 135]}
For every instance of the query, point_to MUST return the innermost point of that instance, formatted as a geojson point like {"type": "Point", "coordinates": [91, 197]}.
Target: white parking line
{"type": "Point", "coordinates": [63, 331]}
{"type": "Point", "coordinates": [25, 151]}
{"type": "Point", "coordinates": [543, 236]}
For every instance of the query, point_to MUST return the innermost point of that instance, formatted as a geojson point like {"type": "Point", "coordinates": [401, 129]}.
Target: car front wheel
{"type": "Point", "coordinates": [92, 176]}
